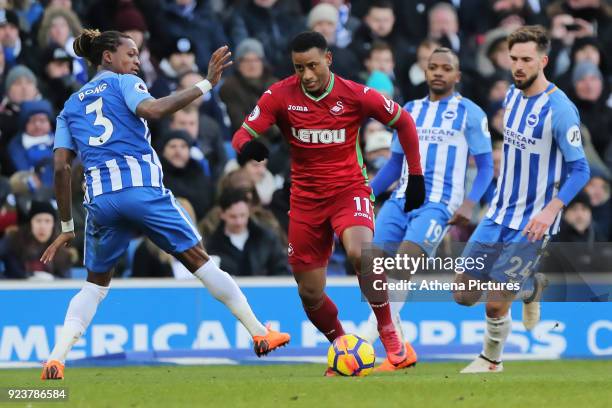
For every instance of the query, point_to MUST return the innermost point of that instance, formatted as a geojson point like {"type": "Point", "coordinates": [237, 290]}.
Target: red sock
{"type": "Point", "coordinates": [378, 299]}
{"type": "Point", "coordinates": [325, 318]}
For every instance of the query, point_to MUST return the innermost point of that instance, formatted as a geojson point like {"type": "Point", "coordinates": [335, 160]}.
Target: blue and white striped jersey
{"type": "Point", "coordinates": [100, 123]}
{"type": "Point", "coordinates": [541, 135]}
{"type": "Point", "coordinates": [449, 130]}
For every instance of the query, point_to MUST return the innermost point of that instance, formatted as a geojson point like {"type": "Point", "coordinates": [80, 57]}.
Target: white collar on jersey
{"type": "Point", "coordinates": [448, 98]}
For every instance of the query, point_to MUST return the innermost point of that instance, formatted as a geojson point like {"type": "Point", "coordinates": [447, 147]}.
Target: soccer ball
{"type": "Point", "coordinates": [350, 355]}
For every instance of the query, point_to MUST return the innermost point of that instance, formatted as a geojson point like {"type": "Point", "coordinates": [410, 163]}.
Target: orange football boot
{"type": "Point", "coordinates": [395, 349]}
{"type": "Point", "coordinates": [52, 370]}
{"type": "Point", "coordinates": [330, 372]}
{"type": "Point", "coordinates": [269, 342]}
{"type": "Point", "coordinates": [411, 361]}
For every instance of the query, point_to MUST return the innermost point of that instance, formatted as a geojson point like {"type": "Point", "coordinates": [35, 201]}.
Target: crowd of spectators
{"type": "Point", "coordinates": [241, 207]}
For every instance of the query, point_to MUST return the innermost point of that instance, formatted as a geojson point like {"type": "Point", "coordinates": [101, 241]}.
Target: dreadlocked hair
{"type": "Point", "coordinates": [91, 44]}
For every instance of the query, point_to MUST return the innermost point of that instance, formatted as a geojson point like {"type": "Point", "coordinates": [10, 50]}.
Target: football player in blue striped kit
{"type": "Point", "coordinates": [450, 129]}
{"type": "Point", "coordinates": [105, 122]}
{"type": "Point", "coordinates": [543, 167]}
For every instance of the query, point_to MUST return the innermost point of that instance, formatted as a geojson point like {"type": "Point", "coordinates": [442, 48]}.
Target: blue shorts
{"type": "Point", "coordinates": [506, 255]}
{"type": "Point", "coordinates": [424, 226]}
{"type": "Point", "coordinates": [114, 218]}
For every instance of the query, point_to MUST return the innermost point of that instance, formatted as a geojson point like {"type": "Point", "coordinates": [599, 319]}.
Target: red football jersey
{"type": "Point", "coordinates": [322, 131]}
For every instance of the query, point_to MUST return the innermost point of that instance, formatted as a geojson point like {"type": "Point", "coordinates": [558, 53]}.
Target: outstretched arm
{"type": "Point", "coordinates": [409, 139]}
{"type": "Point", "coordinates": [152, 108]}
{"type": "Point", "coordinates": [579, 174]}
{"type": "Point", "coordinates": [62, 158]}
{"type": "Point", "coordinates": [484, 166]}
{"type": "Point", "coordinates": [246, 139]}
{"type": "Point", "coordinates": [391, 171]}
{"type": "Point", "coordinates": [391, 114]}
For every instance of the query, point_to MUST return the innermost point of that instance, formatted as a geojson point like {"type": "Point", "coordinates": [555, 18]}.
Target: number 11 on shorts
{"type": "Point", "coordinates": [366, 204]}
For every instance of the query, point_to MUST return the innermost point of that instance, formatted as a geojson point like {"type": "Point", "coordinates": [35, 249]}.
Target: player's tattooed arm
{"type": "Point", "coordinates": [62, 160]}
{"type": "Point", "coordinates": [153, 109]}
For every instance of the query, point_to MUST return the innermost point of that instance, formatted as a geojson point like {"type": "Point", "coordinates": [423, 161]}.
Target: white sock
{"type": "Point", "coordinates": [225, 290]}
{"type": "Point", "coordinates": [496, 334]}
{"type": "Point", "coordinates": [80, 312]}
{"type": "Point", "coordinates": [397, 300]}
{"type": "Point", "coordinates": [396, 307]}
{"type": "Point", "coordinates": [369, 331]}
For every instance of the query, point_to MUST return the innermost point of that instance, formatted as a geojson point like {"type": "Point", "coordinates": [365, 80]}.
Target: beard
{"type": "Point", "coordinates": [526, 83]}
{"type": "Point", "coordinates": [440, 90]}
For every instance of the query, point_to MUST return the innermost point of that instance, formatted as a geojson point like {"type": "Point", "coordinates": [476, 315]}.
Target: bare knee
{"type": "Point", "coordinates": [497, 309]}
{"type": "Point", "coordinates": [193, 258]}
{"type": "Point", "coordinates": [354, 257]}
{"type": "Point", "coordinates": [465, 298]}
{"type": "Point", "coordinates": [100, 279]}
{"type": "Point", "coordinates": [311, 295]}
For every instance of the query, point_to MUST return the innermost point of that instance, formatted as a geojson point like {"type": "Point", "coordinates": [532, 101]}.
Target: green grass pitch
{"type": "Point", "coordinates": [555, 384]}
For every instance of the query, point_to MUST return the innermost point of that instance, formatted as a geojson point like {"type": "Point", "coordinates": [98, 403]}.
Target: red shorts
{"type": "Point", "coordinates": [312, 224]}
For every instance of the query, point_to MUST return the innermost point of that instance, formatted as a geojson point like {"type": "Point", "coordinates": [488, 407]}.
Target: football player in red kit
{"type": "Point", "coordinates": [320, 114]}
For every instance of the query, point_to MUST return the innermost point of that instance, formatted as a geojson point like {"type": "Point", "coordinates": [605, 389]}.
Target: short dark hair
{"type": "Point", "coordinates": [231, 196]}
{"type": "Point", "coordinates": [308, 39]}
{"type": "Point", "coordinates": [379, 45]}
{"type": "Point", "coordinates": [446, 50]}
{"type": "Point", "coordinates": [533, 33]}
{"type": "Point", "coordinates": [384, 4]}
{"type": "Point", "coordinates": [429, 43]}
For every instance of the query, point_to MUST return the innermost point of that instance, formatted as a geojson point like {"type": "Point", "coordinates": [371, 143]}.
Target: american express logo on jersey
{"type": "Point", "coordinates": [322, 136]}
{"type": "Point", "coordinates": [435, 134]}
{"type": "Point", "coordinates": [518, 140]}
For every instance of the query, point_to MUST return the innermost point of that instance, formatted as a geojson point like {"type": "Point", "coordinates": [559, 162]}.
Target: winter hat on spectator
{"type": "Point", "coordinates": [583, 69]}
{"type": "Point", "coordinates": [180, 45]}
{"type": "Point", "coordinates": [491, 40]}
{"type": "Point", "coordinates": [581, 43]}
{"type": "Point", "coordinates": [17, 72]}
{"type": "Point", "coordinates": [55, 53]}
{"type": "Point", "coordinates": [380, 139]}
{"type": "Point", "coordinates": [128, 18]}
{"type": "Point", "coordinates": [249, 45]}
{"type": "Point", "coordinates": [581, 198]}
{"type": "Point", "coordinates": [173, 134]}
{"type": "Point", "coordinates": [31, 108]}
{"type": "Point", "coordinates": [41, 207]}
{"type": "Point", "coordinates": [322, 12]}
{"type": "Point", "coordinates": [9, 17]}
{"type": "Point", "coordinates": [602, 173]}
{"type": "Point", "coordinates": [381, 82]}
